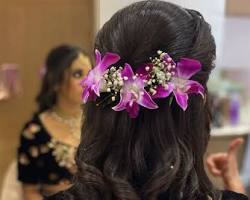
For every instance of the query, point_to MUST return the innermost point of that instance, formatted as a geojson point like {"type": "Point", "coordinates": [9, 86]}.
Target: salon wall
{"type": "Point", "coordinates": [28, 29]}
{"type": "Point", "coordinates": [239, 7]}
{"type": "Point", "coordinates": [230, 22]}
{"type": "Point", "coordinates": [212, 10]}
{"type": "Point", "coordinates": [235, 43]}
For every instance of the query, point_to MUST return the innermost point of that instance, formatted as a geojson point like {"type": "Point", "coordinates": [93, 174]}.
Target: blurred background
{"type": "Point", "coordinates": [30, 28]}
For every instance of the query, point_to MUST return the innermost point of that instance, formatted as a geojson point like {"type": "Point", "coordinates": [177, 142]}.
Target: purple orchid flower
{"type": "Point", "coordinates": [160, 91]}
{"type": "Point", "coordinates": [185, 69]}
{"type": "Point", "coordinates": [133, 94]}
{"type": "Point", "coordinates": [94, 80]}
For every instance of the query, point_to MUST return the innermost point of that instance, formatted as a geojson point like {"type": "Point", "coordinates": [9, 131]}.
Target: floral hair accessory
{"type": "Point", "coordinates": [157, 79]}
{"type": "Point", "coordinates": [93, 82]}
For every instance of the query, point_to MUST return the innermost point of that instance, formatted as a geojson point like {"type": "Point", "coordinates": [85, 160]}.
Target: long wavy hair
{"type": "Point", "coordinates": [58, 60]}
{"type": "Point", "coordinates": [159, 154]}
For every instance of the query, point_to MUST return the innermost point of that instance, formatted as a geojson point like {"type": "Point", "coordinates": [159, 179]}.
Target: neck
{"type": "Point", "coordinates": [67, 109]}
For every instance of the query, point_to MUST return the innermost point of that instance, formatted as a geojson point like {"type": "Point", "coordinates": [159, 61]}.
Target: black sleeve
{"type": "Point", "coordinates": [28, 154]}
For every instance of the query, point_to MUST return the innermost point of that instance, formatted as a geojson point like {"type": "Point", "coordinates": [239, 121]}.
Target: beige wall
{"type": "Point", "coordinates": [28, 29]}
{"type": "Point", "coordinates": [238, 7]}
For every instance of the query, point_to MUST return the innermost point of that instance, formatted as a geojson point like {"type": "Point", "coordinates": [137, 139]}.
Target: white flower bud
{"type": "Point", "coordinates": [109, 83]}
{"type": "Point", "coordinates": [169, 67]}
{"type": "Point", "coordinates": [159, 52]}
{"type": "Point", "coordinates": [106, 76]}
{"type": "Point", "coordinates": [131, 103]}
{"type": "Point", "coordinates": [168, 74]}
{"type": "Point", "coordinates": [152, 91]}
{"type": "Point", "coordinates": [165, 86]}
{"type": "Point", "coordinates": [121, 83]}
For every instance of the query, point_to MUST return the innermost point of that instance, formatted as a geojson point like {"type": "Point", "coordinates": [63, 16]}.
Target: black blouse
{"type": "Point", "coordinates": [41, 158]}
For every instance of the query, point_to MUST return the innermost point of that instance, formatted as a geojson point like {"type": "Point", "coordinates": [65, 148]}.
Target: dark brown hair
{"type": "Point", "coordinates": [129, 159]}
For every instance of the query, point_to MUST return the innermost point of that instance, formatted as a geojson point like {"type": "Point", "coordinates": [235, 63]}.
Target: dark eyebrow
{"type": "Point", "coordinates": [76, 69]}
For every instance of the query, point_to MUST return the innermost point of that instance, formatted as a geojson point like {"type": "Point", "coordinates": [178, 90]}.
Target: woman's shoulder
{"type": "Point", "coordinates": [33, 128]}
{"type": "Point", "coordinates": [229, 195]}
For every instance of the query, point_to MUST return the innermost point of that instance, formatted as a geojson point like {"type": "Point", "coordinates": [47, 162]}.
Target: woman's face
{"type": "Point", "coordinates": [70, 90]}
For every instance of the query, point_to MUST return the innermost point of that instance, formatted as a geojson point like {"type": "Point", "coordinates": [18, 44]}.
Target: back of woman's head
{"type": "Point", "coordinates": [58, 60]}
{"type": "Point", "coordinates": [159, 154]}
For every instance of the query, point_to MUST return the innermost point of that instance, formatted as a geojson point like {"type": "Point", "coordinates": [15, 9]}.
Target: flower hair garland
{"type": "Point", "coordinates": [157, 79]}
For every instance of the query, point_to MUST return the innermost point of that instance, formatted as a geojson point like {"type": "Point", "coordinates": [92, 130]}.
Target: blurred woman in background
{"type": "Point", "coordinates": [48, 141]}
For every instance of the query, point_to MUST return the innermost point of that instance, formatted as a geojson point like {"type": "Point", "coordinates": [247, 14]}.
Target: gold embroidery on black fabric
{"type": "Point", "coordinates": [31, 130]}
{"type": "Point", "coordinates": [23, 159]}
{"type": "Point", "coordinates": [53, 176]}
{"type": "Point", "coordinates": [44, 148]}
{"type": "Point", "coordinates": [64, 154]}
{"type": "Point", "coordinates": [34, 152]}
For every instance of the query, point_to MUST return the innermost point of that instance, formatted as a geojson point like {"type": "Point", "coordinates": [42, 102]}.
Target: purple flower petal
{"type": "Point", "coordinates": [121, 105]}
{"type": "Point", "coordinates": [133, 94]}
{"type": "Point", "coordinates": [96, 88]}
{"type": "Point", "coordinates": [146, 101]}
{"type": "Point", "coordinates": [85, 95]}
{"type": "Point", "coordinates": [181, 98]}
{"type": "Point", "coordinates": [161, 92]}
{"type": "Point", "coordinates": [92, 96]}
{"type": "Point", "coordinates": [133, 110]}
{"type": "Point", "coordinates": [144, 70]}
{"type": "Point", "coordinates": [107, 60]}
{"type": "Point", "coordinates": [167, 57]}
{"type": "Point", "coordinates": [127, 71]}
{"type": "Point", "coordinates": [186, 68]}
{"type": "Point", "coordinates": [98, 57]}
{"type": "Point", "coordinates": [128, 104]}
{"type": "Point", "coordinates": [194, 87]}
{"type": "Point", "coordinates": [93, 81]}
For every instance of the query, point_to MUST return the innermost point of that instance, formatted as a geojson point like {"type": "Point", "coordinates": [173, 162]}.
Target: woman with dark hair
{"type": "Point", "coordinates": [147, 119]}
{"type": "Point", "coordinates": [48, 141]}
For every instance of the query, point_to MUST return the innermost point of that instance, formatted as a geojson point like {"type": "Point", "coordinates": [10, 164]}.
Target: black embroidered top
{"type": "Point", "coordinates": [41, 158]}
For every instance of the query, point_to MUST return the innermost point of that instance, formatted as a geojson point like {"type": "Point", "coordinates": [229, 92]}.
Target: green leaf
{"type": "Point", "coordinates": [171, 100]}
